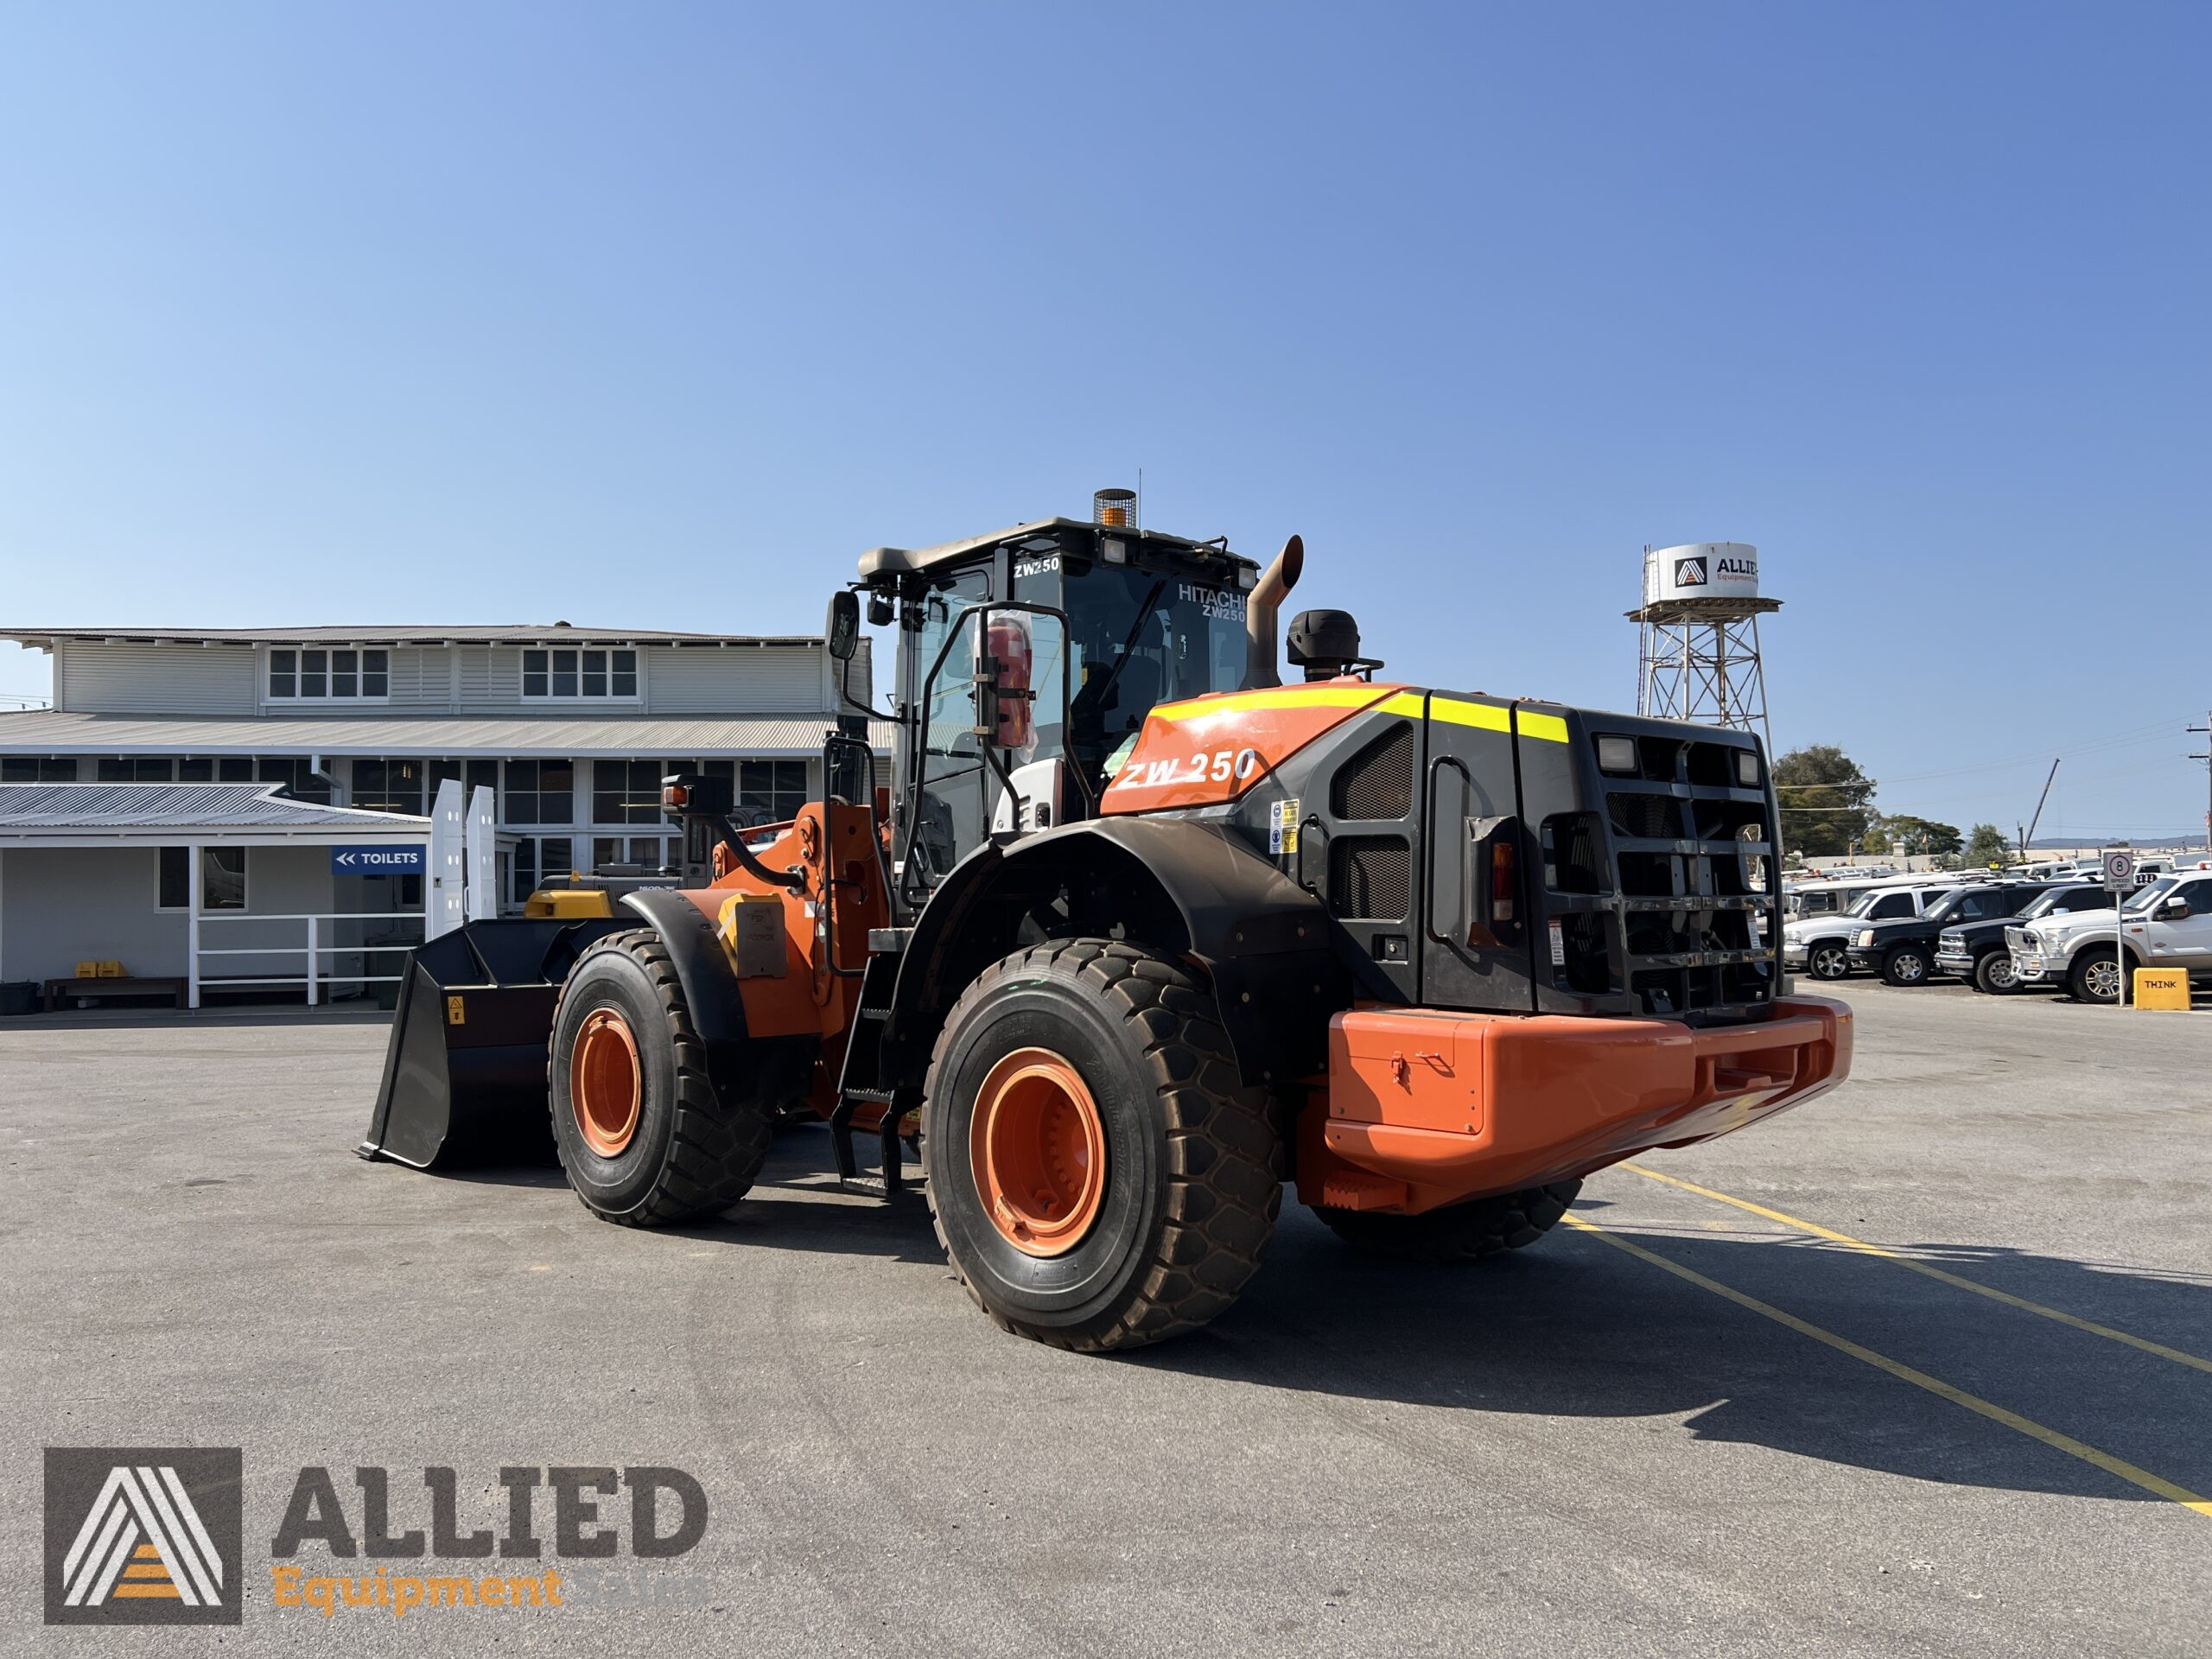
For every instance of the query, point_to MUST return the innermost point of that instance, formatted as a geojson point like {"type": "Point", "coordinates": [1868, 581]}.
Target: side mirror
{"type": "Point", "coordinates": [842, 629]}
{"type": "Point", "coordinates": [2174, 910]}
{"type": "Point", "coordinates": [1002, 688]}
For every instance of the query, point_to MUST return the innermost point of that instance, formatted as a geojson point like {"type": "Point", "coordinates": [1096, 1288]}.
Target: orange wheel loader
{"type": "Point", "coordinates": [1134, 933]}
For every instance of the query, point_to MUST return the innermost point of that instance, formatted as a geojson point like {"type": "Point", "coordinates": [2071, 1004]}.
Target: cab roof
{"type": "Point", "coordinates": [899, 561]}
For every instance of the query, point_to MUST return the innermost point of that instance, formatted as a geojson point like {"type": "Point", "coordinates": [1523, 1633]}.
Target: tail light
{"type": "Point", "coordinates": [1501, 886]}
{"type": "Point", "coordinates": [675, 797]}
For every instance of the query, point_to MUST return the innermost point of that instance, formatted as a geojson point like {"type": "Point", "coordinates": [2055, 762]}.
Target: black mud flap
{"type": "Point", "coordinates": [464, 1075]}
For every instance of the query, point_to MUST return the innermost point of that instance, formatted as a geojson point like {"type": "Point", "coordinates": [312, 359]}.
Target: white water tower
{"type": "Point", "coordinates": [1700, 625]}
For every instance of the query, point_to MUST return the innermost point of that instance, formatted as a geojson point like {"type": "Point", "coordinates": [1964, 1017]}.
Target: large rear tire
{"type": "Point", "coordinates": [1457, 1232]}
{"type": "Point", "coordinates": [644, 1139]}
{"type": "Point", "coordinates": [1100, 1176]}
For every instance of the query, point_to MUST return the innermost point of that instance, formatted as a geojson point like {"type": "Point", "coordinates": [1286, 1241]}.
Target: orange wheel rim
{"type": "Point", "coordinates": [605, 1083]}
{"type": "Point", "coordinates": [1039, 1149]}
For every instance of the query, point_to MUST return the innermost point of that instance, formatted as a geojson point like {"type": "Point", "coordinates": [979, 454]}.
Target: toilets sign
{"type": "Point", "coordinates": [377, 861]}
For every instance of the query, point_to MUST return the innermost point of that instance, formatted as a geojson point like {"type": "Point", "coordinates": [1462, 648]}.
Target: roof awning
{"type": "Point", "coordinates": [44, 732]}
{"type": "Point", "coordinates": [94, 814]}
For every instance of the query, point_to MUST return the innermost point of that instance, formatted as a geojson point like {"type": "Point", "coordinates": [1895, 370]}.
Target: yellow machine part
{"type": "Point", "coordinates": [568, 904]}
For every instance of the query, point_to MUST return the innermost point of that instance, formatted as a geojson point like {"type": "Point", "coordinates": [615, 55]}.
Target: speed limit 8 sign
{"type": "Point", "coordinates": [2120, 871]}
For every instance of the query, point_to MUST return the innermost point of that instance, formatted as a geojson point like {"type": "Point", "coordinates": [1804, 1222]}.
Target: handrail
{"type": "Point", "coordinates": [1428, 833]}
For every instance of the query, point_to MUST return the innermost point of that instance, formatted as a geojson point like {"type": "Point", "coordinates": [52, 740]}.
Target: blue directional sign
{"type": "Point", "coordinates": [377, 861]}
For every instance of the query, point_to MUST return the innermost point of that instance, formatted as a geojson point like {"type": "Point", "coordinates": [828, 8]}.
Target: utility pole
{"type": "Point", "coordinates": [2207, 758]}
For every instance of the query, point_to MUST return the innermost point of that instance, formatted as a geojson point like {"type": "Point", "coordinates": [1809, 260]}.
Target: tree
{"type": "Point", "coordinates": [1827, 802]}
{"type": "Point", "coordinates": [1985, 845]}
{"type": "Point", "coordinates": [1914, 836]}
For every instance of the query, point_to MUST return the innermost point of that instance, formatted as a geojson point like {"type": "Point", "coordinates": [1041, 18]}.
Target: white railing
{"type": "Point", "coordinates": [313, 949]}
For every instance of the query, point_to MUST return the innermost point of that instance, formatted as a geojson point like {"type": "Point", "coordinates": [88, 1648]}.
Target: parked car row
{"type": "Point", "coordinates": [2000, 936]}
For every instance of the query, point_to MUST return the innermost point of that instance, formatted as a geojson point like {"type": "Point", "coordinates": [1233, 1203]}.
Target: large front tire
{"type": "Point", "coordinates": [644, 1139]}
{"type": "Point", "coordinates": [1100, 1176]}
{"type": "Point", "coordinates": [1457, 1232]}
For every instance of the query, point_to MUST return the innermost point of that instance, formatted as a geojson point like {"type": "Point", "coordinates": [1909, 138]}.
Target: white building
{"type": "Point", "coordinates": [573, 727]}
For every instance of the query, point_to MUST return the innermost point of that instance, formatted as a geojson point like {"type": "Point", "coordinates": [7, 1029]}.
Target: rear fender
{"type": "Point", "coordinates": [1184, 888]}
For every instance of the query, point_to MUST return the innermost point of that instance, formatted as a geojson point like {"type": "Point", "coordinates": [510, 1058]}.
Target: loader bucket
{"type": "Point", "coordinates": [464, 1075]}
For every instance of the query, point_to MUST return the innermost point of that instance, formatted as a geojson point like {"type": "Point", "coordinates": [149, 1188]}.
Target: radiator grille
{"type": "Point", "coordinates": [1378, 781]}
{"type": "Point", "coordinates": [1677, 912]}
{"type": "Point", "coordinates": [1371, 876]}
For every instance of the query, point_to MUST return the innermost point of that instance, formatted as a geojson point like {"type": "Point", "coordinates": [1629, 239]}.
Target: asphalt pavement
{"type": "Point", "coordinates": [1698, 1418]}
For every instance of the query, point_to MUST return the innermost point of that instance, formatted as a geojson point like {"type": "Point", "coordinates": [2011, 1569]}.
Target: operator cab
{"type": "Point", "coordinates": [1015, 719]}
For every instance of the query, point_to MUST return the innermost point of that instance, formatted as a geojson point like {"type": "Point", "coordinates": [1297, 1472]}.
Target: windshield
{"type": "Point", "coordinates": [1142, 637]}
{"type": "Point", "coordinates": [1866, 901]}
{"type": "Point", "coordinates": [2043, 904]}
{"type": "Point", "coordinates": [2146, 897]}
{"type": "Point", "coordinates": [1944, 908]}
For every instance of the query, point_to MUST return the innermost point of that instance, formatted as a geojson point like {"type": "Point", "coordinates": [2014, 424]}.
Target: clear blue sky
{"type": "Point", "coordinates": [659, 316]}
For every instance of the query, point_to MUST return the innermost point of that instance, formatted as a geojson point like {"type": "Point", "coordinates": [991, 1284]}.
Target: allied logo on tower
{"type": "Point", "coordinates": [143, 1534]}
{"type": "Point", "coordinates": [1690, 572]}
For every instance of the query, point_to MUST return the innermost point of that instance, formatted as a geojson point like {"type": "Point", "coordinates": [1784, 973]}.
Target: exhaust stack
{"type": "Point", "coordinates": [1267, 595]}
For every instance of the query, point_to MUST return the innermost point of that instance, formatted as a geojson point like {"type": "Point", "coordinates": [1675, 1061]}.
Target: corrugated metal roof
{"type": "Point", "coordinates": [46, 731]}
{"type": "Point", "coordinates": [496, 633]}
{"type": "Point", "coordinates": [180, 806]}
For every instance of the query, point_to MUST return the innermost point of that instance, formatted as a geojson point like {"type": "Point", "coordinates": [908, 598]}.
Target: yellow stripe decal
{"type": "Point", "coordinates": [1550, 728]}
{"type": "Point", "coordinates": [1976, 1286]}
{"type": "Point", "coordinates": [1490, 717]}
{"type": "Point", "coordinates": [1402, 702]}
{"type": "Point", "coordinates": [1274, 697]}
{"type": "Point", "coordinates": [2118, 1467]}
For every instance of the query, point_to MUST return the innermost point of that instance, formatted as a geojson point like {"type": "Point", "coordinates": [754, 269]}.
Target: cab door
{"type": "Point", "coordinates": [2186, 941]}
{"type": "Point", "coordinates": [1473, 906]}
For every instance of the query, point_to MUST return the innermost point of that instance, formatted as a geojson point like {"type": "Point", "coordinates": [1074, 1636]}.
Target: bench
{"type": "Point", "coordinates": [60, 990]}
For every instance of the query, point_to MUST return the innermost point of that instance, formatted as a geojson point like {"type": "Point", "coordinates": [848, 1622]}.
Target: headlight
{"type": "Point", "coordinates": [1618, 755]}
{"type": "Point", "coordinates": [1865, 938]}
{"type": "Point", "coordinates": [1951, 939]}
{"type": "Point", "coordinates": [1747, 768]}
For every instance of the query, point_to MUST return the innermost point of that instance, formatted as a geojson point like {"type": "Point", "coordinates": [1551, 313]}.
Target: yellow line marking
{"type": "Point", "coordinates": [2120, 1467]}
{"type": "Point", "coordinates": [1490, 717]}
{"type": "Point", "coordinates": [1243, 702]}
{"type": "Point", "coordinates": [1550, 728]}
{"type": "Point", "coordinates": [166, 1590]}
{"type": "Point", "coordinates": [1402, 702]}
{"type": "Point", "coordinates": [1903, 1260]}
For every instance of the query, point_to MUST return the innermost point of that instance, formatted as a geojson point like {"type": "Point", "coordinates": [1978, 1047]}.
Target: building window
{"type": "Point", "coordinates": [643, 855]}
{"type": "Point", "coordinates": [238, 769]}
{"type": "Point", "coordinates": [472, 775]}
{"type": "Point", "coordinates": [628, 792]}
{"type": "Point", "coordinates": [312, 672]}
{"type": "Point", "coordinates": [553, 854]}
{"type": "Point", "coordinates": [176, 879]}
{"type": "Point", "coordinates": [554, 673]}
{"type": "Point", "coordinates": [31, 769]}
{"type": "Point", "coordinates": [541, 792]}
{"type": "Point", "coordinates": [768, 791]}
{"type": "Point", "coordinates": [136, 769]}
{"type": "Point", "coordinates": [293, 774]}
{"type": "Point", "coordinates": [383, 784]}
{"type": "Point", "coordinates": [222, 878]}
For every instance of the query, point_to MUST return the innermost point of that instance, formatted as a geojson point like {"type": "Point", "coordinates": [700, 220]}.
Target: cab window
{"type": "Point", "coordinates": [1890, 906]}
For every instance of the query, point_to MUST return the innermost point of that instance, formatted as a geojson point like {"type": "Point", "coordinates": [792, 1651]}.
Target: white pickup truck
{"type": "Point", "coordinates": [2165, 925]}
{"type": "Point", "coordinates": [1821, 944]}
